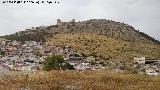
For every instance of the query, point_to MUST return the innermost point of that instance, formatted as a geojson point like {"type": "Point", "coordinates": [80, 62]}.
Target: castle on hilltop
{"type": "Point", "coordinates": [109, 28]}
{"type": "Point", "coordinates": [73, 22]}
{"type": "Point", "coordinates": [60, 23]}
{"type": "Point", "coordinates": [105, 27]}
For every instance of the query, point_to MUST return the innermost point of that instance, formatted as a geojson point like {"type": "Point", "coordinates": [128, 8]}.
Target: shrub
{"type": "Point", "coordinates": [68, 66]}
{"type": "Point", "coordinates": [56, 62]}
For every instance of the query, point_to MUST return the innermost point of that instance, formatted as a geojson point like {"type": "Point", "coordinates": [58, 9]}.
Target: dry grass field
{"type": "Point", "coordinates": [74, 80]}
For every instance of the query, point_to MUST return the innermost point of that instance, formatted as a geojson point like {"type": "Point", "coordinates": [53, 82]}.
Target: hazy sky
{"type": "Point", "coordinates": [144, 15]}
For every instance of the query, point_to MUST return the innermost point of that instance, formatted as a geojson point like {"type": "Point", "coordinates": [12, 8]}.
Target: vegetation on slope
{"type": "Point", "coordinates": [30, 35]}
{"type": "Point", "coordinates": [105, 48]}
{"type": "Point", "coordinates": [56, 62]}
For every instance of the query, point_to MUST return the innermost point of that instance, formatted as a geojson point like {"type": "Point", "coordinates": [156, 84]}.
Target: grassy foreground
{"type": "Point", "coordinates": [74, 80]}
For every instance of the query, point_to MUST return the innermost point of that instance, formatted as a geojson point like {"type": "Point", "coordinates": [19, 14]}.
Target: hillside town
{"type": "Point", "coordinates": [30, 56]}
{"type": "Point", "coordinates": [147, 66]}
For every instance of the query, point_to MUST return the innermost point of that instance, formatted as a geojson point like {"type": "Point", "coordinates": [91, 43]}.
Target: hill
{"type": "Point", "coordinates": [109, 28]}
{"type": "Point", "coordinates": [106, 40]}
{"type": "Point", "coordinates": [105, 48]}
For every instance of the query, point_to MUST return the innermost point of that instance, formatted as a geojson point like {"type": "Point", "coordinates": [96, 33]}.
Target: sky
{"type": "Point", "coordinates": [143, 15]}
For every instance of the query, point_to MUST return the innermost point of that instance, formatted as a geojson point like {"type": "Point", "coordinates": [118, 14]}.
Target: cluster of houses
{"type": "Point", "coordinates": [21, 56]}
{"type": "Point", "coordinates": [30, 56]}
{"type": "Point", "coordinates": [147, 66]}
{"type": "Point", "coordinates": [80, 63]}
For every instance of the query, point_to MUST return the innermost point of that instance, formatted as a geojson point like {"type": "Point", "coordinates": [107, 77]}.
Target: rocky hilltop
{"type": "Point", "coordinates": [109, 28]}
{"type": "Point", "coordinates": [105, 27]}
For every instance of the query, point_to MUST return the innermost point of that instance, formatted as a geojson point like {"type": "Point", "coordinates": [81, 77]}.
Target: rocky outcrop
{"type": "Point", "coordinates": [105, 27]}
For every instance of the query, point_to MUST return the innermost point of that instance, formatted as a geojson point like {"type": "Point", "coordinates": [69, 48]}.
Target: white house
{"type": "Point", "coordinates": [151, 72]}
{"type": "Point", "coordinates": [139, 60]}
{"type": "Point", "coordinates": [82, 67]}
{"type": "Point", "coordinates": [26, 68]}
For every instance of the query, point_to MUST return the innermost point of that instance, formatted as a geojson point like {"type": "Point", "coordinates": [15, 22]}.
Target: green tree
{"type": "Point", "coordinates": [56, 62]}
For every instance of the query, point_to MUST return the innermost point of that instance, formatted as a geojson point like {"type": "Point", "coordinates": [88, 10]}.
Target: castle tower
{"type": "Point", "coordinates": [73, 21]}
{"type": "Point", "coordinates": [59, 22]}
